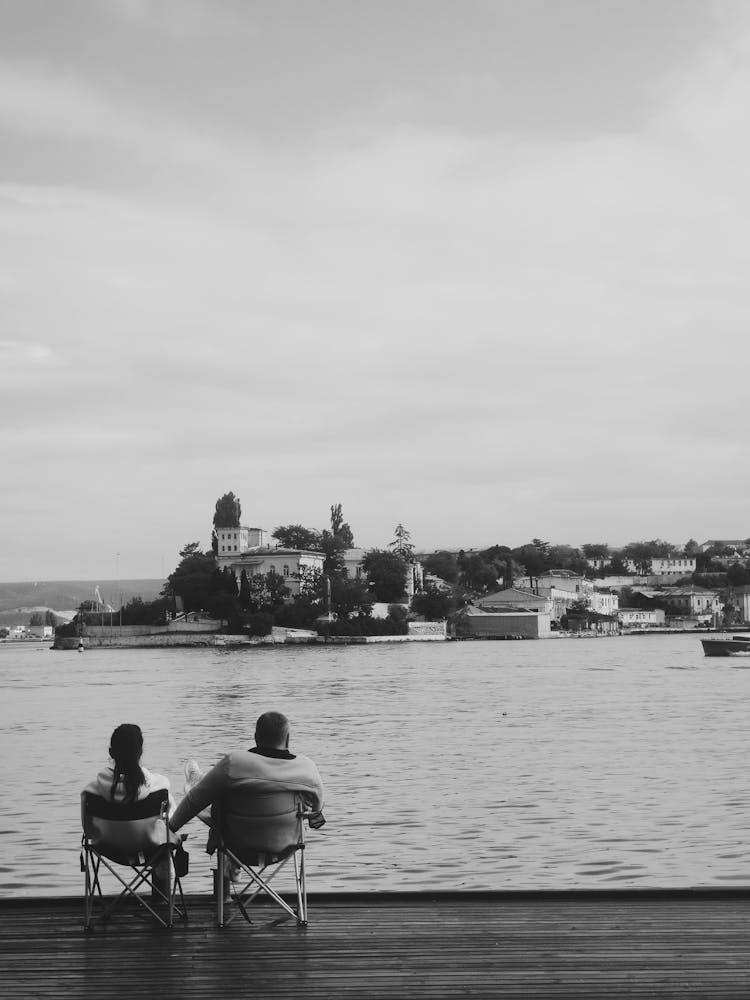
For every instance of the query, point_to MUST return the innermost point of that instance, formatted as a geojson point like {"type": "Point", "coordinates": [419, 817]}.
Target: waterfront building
{"type": "Point", "coordinates": [641, 617]}
{"type": "Point", "coordinates": [604, 601]}
{"type": "Point", "coordinates": [561, 587]}
{"type": "Point", "coordinates": [248, 548]}
{"type": "Point", "coordinates": [472, 622]}
{"type": "Point", "coordinates": [586, 620]}
{"type": "Point", "coordinates": [694, 602]}
{"type": "Point", "coordinates": [244, 548]}
{"type": "Point", "coordinates": [514, 599]}
{"type": "Point", "coordinates": [739, 601]}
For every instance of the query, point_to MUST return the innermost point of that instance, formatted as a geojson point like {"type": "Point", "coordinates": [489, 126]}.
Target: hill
{"type": "Point", "coordinates": [19, 600]}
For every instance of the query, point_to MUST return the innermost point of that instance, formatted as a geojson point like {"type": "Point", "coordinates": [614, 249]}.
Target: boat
{"type": "Point", "coordinates": [727, 645]}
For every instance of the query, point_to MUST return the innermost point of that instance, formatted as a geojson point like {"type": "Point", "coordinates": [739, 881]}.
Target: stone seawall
{"type": "Point", "coordinates": [145, 637]}
{"type": "Point", "coordinates": [162, 639]}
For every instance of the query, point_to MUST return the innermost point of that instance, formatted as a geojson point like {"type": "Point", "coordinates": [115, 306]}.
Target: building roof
{"type": "Point", "coordinates": [263, 552]}
{"type": "Point", "coordinates": [667, 592]}
{"type": "Point", "coordinates": [474, 612]}
{"type": "Point", "coordinates": [512, 596]}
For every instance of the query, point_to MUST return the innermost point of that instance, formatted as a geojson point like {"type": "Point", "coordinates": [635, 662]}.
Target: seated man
{"type": "Point", "coordinates": [267, 768]}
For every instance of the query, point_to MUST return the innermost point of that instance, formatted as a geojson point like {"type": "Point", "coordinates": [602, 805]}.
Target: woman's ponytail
{"type": "Point", "coordinates": [125, 749]}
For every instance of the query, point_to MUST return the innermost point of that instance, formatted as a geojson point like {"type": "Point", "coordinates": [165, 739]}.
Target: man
{"type": "Point", "coordinates": [266, 769]}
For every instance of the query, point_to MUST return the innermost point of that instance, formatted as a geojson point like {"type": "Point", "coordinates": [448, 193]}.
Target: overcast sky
{"type": "Point", "coordinates": [482, 268]}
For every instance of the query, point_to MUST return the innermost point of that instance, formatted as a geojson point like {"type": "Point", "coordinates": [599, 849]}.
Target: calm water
{"type": "Point", "coordinates": [561, 763]}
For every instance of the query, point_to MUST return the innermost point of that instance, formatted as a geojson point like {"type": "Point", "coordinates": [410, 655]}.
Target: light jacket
{"type": "Point", "coordinates": [141, 834]}
{"type": "Point", "coordinates": [247, 773]}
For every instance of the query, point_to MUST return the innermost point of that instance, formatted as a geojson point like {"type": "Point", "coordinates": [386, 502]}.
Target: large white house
{"type": "Point", "coordinates": [249, 549]}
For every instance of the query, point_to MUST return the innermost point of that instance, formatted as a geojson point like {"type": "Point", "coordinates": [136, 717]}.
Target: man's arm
{"type": "Point", "coordinates": [313, 798]}
{"type": "Point", "coordinates": [200, 796]}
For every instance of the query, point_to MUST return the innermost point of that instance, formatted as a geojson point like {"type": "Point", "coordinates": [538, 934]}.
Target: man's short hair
{"type": "Point", "coordinates": [272, 730]}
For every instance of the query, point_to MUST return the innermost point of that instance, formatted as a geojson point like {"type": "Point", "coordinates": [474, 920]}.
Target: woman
{"type": "Point", "coordinates": [126, 780]}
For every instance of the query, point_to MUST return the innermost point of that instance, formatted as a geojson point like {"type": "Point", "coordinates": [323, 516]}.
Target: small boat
{"type": "Point", "coordinates": [728, 645]}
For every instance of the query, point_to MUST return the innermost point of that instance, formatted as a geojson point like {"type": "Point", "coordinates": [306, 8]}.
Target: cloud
{"type": "Point", "coordinates": [487, 333]}
{"type": "Point", "coordinates": [16, 355]}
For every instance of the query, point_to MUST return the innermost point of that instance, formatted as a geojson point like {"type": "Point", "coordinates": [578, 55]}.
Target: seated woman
{"type": "Point", "coordinates": [126, 780]}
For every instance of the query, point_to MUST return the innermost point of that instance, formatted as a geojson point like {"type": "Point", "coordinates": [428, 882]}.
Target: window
{"type": "Point", "coordinates": [286, 570]}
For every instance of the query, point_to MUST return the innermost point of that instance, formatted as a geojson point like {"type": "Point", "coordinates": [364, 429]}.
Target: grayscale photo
{"type": "Point", "coordinates": [374, 548]}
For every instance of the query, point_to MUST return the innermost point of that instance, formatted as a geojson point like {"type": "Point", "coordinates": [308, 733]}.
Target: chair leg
{"type": "Point", "coordinates": [299, 878]}
{"type": "Point", "coordinates": [88, 889]}
{"type": "Point", "coordinates": [220, 864]}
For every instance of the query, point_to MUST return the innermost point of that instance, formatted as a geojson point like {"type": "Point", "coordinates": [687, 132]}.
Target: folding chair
{"type": "Point", "coordinates": [254, 834]}
{"type": "Point", "coordinates": [122, 834]}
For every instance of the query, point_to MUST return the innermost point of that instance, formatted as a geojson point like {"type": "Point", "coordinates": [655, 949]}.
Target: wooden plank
{"type": "Point", "coordinates": [613, 946]}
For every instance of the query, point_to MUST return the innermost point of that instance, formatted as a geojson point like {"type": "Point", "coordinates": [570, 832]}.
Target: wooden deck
{"type": "Point", "coordinates": [576, 945]}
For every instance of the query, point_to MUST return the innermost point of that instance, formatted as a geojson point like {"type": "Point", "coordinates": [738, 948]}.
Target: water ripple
{"type": "Point", "coordinates": [475, 765]}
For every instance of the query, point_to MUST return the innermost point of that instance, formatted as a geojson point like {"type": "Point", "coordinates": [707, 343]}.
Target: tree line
{"type": "Point", "coordinates": [330, 599]}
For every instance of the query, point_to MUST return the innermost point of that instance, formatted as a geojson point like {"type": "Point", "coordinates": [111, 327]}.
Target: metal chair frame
{"type": "Point", "coordinates": [258, 882]}
{"type": "Point", "coordinates": [94, 855]}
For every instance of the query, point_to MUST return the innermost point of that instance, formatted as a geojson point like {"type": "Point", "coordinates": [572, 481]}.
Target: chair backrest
{"type": "Point", "coordinates": [120, 829]}
{"type": "Point", "coordinates": [266, 822]}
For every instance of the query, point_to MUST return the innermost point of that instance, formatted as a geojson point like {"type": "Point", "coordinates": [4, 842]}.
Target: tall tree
{"type": "Point", "coordinates": [228, 512]}
{"type": "Point", "coordinates": [267, 591]}
{"type": "Point", "coordinates": [596, 550]}
{"type": "Point", "coordinates": [402, 542]}
{"type": "Point", "coordinates": [432, 604]}
{"type": "Point", "coordinates": [350, 597]}
{"type": "Point", "coordinates": [190, 549]}
{"type": "Point", "coordinates": [442, 564]}
{"type": "Point", "coordinates": [386, 574]}
{"type": "Point", "coordinates": [335, 542]}
{"type": "Point", "coordinates": [193, 578]}
{"type": "Point", "coordinates": [533, 558]}
{"type": "Point", "coordinates": [566, 557]}
{"type": "Point", "coordinates": [477, 574]}
{"type": "Point", "coordinates": [296, 536]}
{"type": "Point", "coordinates": [340, 529]}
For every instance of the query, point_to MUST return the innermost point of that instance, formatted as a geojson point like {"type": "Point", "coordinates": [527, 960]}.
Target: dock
{"type": "Point", "coordinates": [581, 944]}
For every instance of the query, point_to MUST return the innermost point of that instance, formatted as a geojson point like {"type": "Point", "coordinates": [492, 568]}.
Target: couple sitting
{"type": "Point", "coordinates": [268, 768]}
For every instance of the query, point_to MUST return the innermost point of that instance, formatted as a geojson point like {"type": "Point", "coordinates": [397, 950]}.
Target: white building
{"type": "Point", "coordinates": [247, 548]}
{"type": "Point", "coordinates": [604, 602]}
{"type": "Point", "coordinates": [234, 541]}
{"type": "Point", "coordinates": [673, 566]}
{"type": "Point", "coordinates": [641, 617]}
{"type": "Point", "coordinates": [687, 602]}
